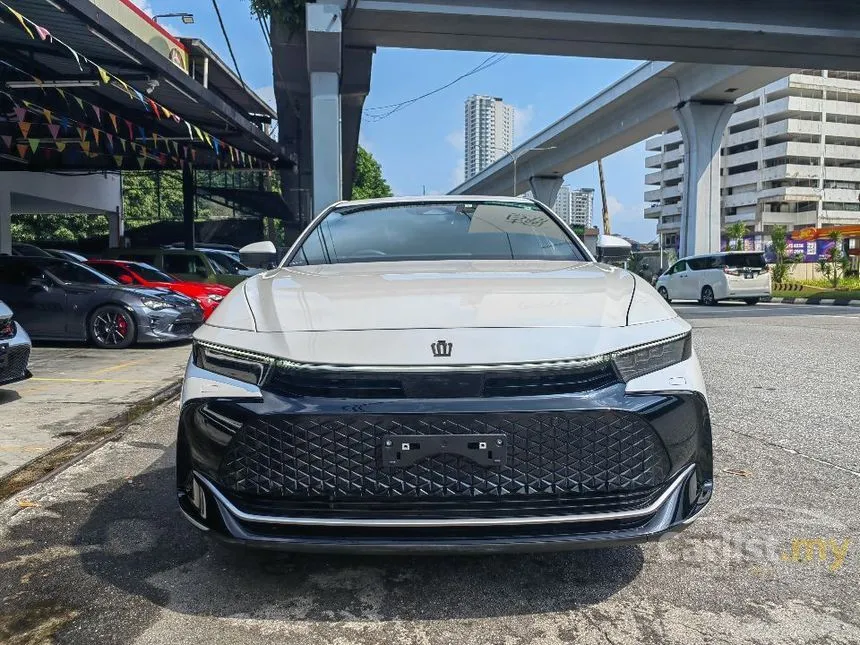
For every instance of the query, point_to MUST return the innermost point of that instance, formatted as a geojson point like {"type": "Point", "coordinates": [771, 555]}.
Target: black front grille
{"type": "Point", "coordinates": [14, 363]}
{"type": "Point", "coordinates": [561, 457]}
{"type": "Point", "coordinates": [184, 328]}
{"type": "Point", "coordinates": [349, 384]}
{"type": "Point", "coordinates": [7, 328]}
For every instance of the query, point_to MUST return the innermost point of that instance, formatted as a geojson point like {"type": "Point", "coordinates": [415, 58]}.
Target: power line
{"type": "Point", "coordinates": [388, 110]}
{"type": "Point", "coordinates": [229, 44]}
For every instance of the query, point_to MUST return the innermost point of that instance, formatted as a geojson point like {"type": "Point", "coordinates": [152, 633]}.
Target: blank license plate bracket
{"type": "Point", "coordinates": [401, 450]}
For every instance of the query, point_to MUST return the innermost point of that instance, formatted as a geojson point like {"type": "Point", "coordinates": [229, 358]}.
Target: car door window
{"type": "Point", "coordinates": [114, 271]}
{"type": "Point", "coordinates": [311, 252]}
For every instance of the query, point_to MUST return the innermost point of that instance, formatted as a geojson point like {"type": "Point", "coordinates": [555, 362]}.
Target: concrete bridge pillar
{"type": "Point", "coordinates": [324, 51]}
{"type": "Point", "coordinates": [5, 222]}
{"type": "Point", "coordinates": [116, 228]}
{"type": "Point", "coordinates": [702, 126]}
{"type": "Point", "coordinates": [545, 189]}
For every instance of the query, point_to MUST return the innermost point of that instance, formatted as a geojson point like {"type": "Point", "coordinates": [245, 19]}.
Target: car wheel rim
{"type": "Point", "coordinates": [110, 328]}
{"type": "Point", "coordinates": [664, 293]}
{"type": "Point", "coordinates": [708, 296]}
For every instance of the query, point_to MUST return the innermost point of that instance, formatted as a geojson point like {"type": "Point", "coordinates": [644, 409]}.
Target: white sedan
{"type": "Point", "coordinates": [442, 374]}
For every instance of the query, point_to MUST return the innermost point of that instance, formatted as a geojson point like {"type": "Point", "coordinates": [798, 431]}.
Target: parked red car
{"type": "Point", "coordinates": [137, 273]}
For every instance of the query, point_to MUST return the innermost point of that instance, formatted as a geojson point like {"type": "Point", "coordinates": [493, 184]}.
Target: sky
{"type": "Point", "coordinates": [420, 147]}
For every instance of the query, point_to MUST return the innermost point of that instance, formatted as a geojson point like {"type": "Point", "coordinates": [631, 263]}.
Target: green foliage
{"type": "Point", "coordinates": [779, 237]}
{"type": "Point", "coordinates": [835, 263]}
{"type": "Point", "coordinates": [57, 228]}
{"type": "Point", "coordinates": [735, 232]}
{"type": "Point", "coordinates": [286, 12]}
{"type": "Point", "coordinates": [368, 182]}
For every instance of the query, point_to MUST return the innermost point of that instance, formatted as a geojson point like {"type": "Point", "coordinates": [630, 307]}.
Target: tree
{"type": "Point", "coordinates": [735, 232]}
{"type": "Point", "coordinates": [368, 182]}
{"type": "Point", "coordinates": [784, 260]}
{"type": "Point", "coordinates": [835, 263]}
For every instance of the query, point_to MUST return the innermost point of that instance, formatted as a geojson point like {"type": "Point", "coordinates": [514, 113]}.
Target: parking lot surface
{"type": "Point", "coordinates": [74, 388]}
{"type": "Point", "coordinates": [100, 553]}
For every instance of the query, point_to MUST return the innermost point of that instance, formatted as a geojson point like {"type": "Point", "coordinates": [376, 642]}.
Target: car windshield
{"type": "Point", "coordinates": [150, 273]}
{"type": "Point", "coordinates": [744, 261]}
{"type": "Point", "coordinates": [438, 231]}
{"type": "Point", "coordinates": [228, 264]}
{"type": "Point", "coordinates": [70, 272]}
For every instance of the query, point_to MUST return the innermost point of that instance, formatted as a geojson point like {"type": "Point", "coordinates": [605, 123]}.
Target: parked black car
{"type": "Point", "coordinates": [60, 300]}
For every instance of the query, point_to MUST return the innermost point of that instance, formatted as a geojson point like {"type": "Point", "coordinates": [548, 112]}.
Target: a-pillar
{"type": "Point", "coordinates": [324, 68]}
{"type": "Point", "coordinates": [116, 228]}
{"type": "Point", "coordinates": [5, 222]}
{"type": "Point", "coordinates": [188, 189]}
{"type": "Point", "coordinates": [545, 189]}
{"type": "Point", "coordinates": [702, 126]}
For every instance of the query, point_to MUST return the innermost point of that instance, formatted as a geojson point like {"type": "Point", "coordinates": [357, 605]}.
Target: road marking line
{"type": "Point", "coordinates": [118, 367]}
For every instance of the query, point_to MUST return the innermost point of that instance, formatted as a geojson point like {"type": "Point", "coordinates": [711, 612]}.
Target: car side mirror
{"type": "Point", "coordinates": [125, 279]}
{"type": "Point", "coordinates": [611, 248]}
{"type": "Point", "coordinates": [39, 284]}
{"type": "Point", "coordinates": [259, 255]}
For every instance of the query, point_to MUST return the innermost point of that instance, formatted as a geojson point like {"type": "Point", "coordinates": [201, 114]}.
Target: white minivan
{"type": "Point", "coordinates": [717, 276]}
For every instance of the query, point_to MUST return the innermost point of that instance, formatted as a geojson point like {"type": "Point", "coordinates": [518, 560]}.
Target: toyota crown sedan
{"type": "Point", "coordinates": [442, 374]}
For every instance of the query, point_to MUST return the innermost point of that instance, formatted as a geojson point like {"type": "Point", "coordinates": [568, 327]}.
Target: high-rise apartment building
{"type": "Point", "coordinates": [790, 155]}
{"type": "Point", "coordinates": [489, 132]}
{"type": "Point", "coordinates": [574, 205]}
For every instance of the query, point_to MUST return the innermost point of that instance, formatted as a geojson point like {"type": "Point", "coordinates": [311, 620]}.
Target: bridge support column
{"type": "Point", "coordinates": [545, 189]}
{"type": "Point", "coordinates": [324, 51]}
{"type": "Point", "coordinates": [5, 222]}
{"type": "Point", "coordinates": [702, 126]}
{"type": "Point", "coordinates": [116, 228]}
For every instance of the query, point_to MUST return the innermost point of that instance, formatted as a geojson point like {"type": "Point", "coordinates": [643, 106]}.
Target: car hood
{"type": "Point", "coordinates": [439, 295]}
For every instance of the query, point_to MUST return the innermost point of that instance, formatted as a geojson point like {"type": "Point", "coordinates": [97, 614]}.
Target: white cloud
{"type": "Point", "coordinates": [457, 140]}
{"type": "Point", "coordinates": [144, 6]}
{"type": "Point", "coordinates": [616, 208]}
{"type": "Point", "coordinates": [523, 118]}
{"type": "Point", "coordinates": [458, 174]}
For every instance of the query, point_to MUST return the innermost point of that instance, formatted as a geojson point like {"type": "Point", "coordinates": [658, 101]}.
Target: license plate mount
{"type": "Point", "coordinates": [401, 450]}
{"type": "Point", "coordinates": [4, 355]}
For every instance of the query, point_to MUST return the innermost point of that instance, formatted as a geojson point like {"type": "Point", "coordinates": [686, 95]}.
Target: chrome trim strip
{"type": "Point", "coordinates": [429, 523]}
{"type": "Point", "coordinates": [578, 364]}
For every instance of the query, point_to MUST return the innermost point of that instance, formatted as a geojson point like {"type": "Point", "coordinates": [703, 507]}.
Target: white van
{"type": "Point", "coordinates": [717, 276]}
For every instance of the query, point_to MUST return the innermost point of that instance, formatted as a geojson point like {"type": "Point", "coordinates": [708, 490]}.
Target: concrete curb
{"type": "Point", "coordinates": [788, 300]}
{"type": "Point", "coordinates": [61, 457]}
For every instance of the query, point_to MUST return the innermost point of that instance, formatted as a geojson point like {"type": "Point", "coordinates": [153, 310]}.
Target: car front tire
{"type": "Point", "coordinates": [662, 291]}
{"type": "Point", "coordinates": [708, 298]}
{"type": "Point", "coordinates": [112, 327]}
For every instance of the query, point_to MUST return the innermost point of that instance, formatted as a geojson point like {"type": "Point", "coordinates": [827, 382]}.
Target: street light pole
{"type": "Point", "coordinates": [515, 158]}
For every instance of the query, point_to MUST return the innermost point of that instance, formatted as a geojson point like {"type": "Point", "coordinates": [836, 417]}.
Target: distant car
{"type": "Point", "coordinates": [190, 266]}
{"type": "Point", "coordinates": [63, 254]}
{"type": "Point", "coordinates": [733, 275]}
{"type": "Point", "coordinates": [61, 300]}
{"type": "Point", "coordinates": [30, 250]}
{"type": "Point", "coordinates": [139, 274]}
{"type": "Point", "coordinates": [14, 348]}
{"type": "Point", "coordinates": [232, 264]}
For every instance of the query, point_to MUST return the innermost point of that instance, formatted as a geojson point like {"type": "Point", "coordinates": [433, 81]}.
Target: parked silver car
{"type": "Point", "coordinates": [14, 348]}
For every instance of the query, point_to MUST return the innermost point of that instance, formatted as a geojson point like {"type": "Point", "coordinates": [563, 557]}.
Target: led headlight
{"type": "Point", "coordinates": [644, 359]}
{"type": "Point", "coordinates": [232, 363]}
{"type": "Point", "coordinates": [214, 297]}
{"type": "Point", "coordinates": [154, 303]}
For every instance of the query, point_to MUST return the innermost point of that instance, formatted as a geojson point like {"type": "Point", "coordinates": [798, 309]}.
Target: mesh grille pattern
{"type": "Point", "coordinates": [549, 454]}
{"type": "Point", "coordinates": [17, 362]}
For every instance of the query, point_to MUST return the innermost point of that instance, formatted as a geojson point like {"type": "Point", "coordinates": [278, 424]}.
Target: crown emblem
{"type": "Point", "coordinates": [441, 348]}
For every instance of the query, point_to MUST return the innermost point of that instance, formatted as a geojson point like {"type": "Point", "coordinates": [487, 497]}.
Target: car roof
{"type": "Point", "coordinates": [718, 253]}
{"type": "Point", "coordinates": [435, 199]}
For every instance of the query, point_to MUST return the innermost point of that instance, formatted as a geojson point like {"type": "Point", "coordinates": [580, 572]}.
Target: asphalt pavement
{"type": "Point", "coordinates": [100, 554]}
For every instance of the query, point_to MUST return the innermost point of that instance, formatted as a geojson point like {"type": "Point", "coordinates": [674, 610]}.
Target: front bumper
{"type": "Point", "coordinates": [14, 357]}
{"type": "Point", "coordinates": [166, 325]}
{"type": "Point", "coordinates": [590, 469]}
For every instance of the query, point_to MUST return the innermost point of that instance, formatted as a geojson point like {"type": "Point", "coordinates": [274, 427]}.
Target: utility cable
{"type": "Point", "coordinates": [229, 44]}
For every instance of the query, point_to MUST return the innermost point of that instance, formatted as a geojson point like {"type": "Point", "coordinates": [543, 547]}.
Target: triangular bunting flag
{"type": "Point", "coordinates": [122, 144]}
{"type": "Point", "coordinates": [23, 24]}
{"type": "Point", "coordinates": [125, 87]}
{"type": "Point", "coordinates": [80, 102]}
{"type": "Point", "coordinates": [155, 140]}
{"type": "Point", "coordinates": [113, 121]}
{"type": "Point", "coordinates": [208, 139]}
{"type": "Point", "coordinates": [24, 126]}
{"type": "Point", "coordinates": [54, 130]}
{"type": "Point", "coordinates": [141, 161]}
{"type": "Point", "coordinates": [140, 97]}
{"type": "Point", "coordinates": [190, 134]}
{"type": "Point", "coordinates": [20, 113]}
{"type": "Point", "coordinates": [22, 150]}
{"type": "Point", "coordinates": [82, 132]}
{"type": "Point", "coordinates": [167, 112]}
{"type": "Point", "coordinates": [96, 133]}
{"type": "Point", "coordinates": [85, 146]}
{"type": "Point", "coordinates": [7, 139]}
{"type": "Point", "coordinates": [118, 160]}
{"type": "Point", "coordinates": [154, 106]}
{"type": "Point", "coordinates": [77, 57]}
{"type": "Point", "coordinates": [63, 94]}
{"type": "Point", "coordinates": [130, 133]}
{"type": "Point", "coordinates": [34, 143]}
{"type": "Point", "coordinates": [199, 134]}
{"type": "Point", "coordinates": [49, 116]}
{"type": "Point", "coordinates": [43, 33]}
{"type": "Point", "coordinates": [142, 133]}
{"type": "Point", "coordinates": [105, 76]}
{"type": "Point", "coordinates": [217, 145]}
{"type": "Point", "coordinates": [98, 112]}
{"type": "Point", "coordinates": [109, 139]}
{"type": "Point", "coordinates": [61, 145]}
{"type": "Point", "coordinates": [64, 123]}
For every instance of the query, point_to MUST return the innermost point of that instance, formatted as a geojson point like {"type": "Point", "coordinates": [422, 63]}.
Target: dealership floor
{"type": "Point", "coordinates": [75, 388]}
{"type": "Point", "coordinates": [100, 554]}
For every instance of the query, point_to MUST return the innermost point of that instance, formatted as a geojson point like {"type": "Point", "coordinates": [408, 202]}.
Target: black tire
{"type": "Point", "coordinates": [752, 301]}
{"type": "Point", "coordinates": [708, 299]}
{"type": "Point", "coordinates": [662, 291]}
{"type": "Point", "coordinates": [111, 327]}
